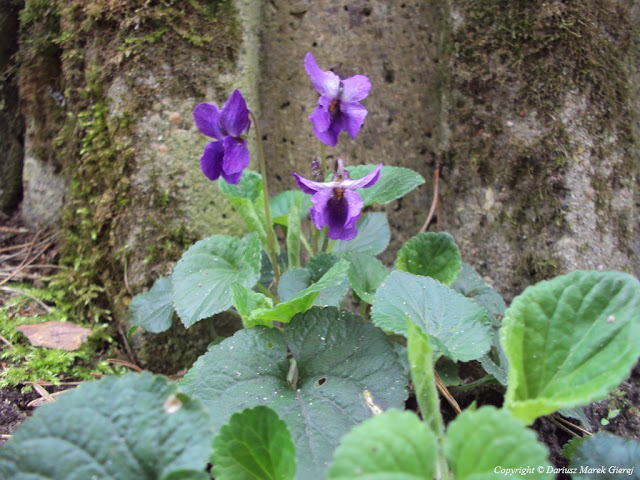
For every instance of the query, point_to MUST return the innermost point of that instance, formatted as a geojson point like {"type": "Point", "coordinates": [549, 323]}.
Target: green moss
{"type": "Point", "coordinates": [25, 363]}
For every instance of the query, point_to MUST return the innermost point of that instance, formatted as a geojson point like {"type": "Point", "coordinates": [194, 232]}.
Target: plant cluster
{"type": "Point", "coordinates": [309, 390]}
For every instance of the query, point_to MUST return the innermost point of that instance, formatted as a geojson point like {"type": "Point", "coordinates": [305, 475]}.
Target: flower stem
{"type": "Point", "coordinates": [271, 236]}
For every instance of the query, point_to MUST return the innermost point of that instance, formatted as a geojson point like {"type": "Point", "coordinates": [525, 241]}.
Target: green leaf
{"type": "Point", "coordinates": [246, 198]}
{"type": "Point", "coordinates": [479, 444]}
{"type": "Point", "coordinates": [202, 278]}
{"type": "Point", "coordinates": [293, 282]}
{"type": "Point", "coordinates": [125, 428]}
{"type": "Point", "coordinates": [246, 300]}
{"type": "Point", "coordinates": [249, 186]}
{"type": "Point", "coordinates": [432, 255]}
{"type": "Point", "coordinates": [255, 444]}
{"type": "Point", "coordinates": [423, 378]}
{"type": "Point", "coordinates": [320, 264]}
{"type": "Point", "coordinates": [620, 458]}
{"type": "Point", "coordinates": [339, 357]}
{"type": "Point", "coordinates": [187, 475]}
{"type": "Point", "coordinates": [153, 310]}
{"type": "Point", "coordinates": [281, 205]}
{"type": "Point", "coordinates": [394, 182]}
{"type": "Point", "coordinates": [470, 284]}
{"type": "Point", "coordinates": [392, 446]}
{"type": "Point", "coordinates": [293, 236]}
{"type": "Point", "coordinates": [366, 273]}
{"type": "Point", "coordinates": [284, 311]}
{"type": "Point", "coordinates": [457, 327]}
{"type": "Point", "coordinates": [372, 238]}
{"type": "Point", "coordinates": [570, 341]}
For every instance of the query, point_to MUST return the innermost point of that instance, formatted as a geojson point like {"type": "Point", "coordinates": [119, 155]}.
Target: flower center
{"type": "Point", "coordinates": [338, 192]}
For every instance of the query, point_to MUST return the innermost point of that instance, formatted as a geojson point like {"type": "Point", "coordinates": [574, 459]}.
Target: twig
{"type": "Point", "coordinates": [41, 391]}
{"type": "Point", "coordinates": [567, 422]}
{"type": "Point", "coordinates": [125, 340]}
{"type": "Point", "coordinates": [20, 292]}
{"type": "Point", "coordinates": [562, 427]}
{"type": "Point", "coordinates": [6, 342]}
{"type": "Point", "coordinates": [124, 363]}
{"type": "Point", "coordinates": [41, 401]}
{"type": "Point", "coordinates": [445, 393]}
{"type": "Point", "coordinates": [26, 262]}
{"type": "Point", "coordinates": [434, 203]}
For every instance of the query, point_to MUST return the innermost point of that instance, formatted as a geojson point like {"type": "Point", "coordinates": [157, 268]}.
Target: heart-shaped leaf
{"type": "Point", "coordinates": [372, 238]}
{"type": "Point", "coordinates": [346, 370]}
{"type": "Point", "coordinates": [203, 277]}
{"type": "Point", "coordinates": [570, 340]}
{"type": "Point", "coordinates": [125, 428]}
{"type": "Point", "coordinates": [255, 444]}
{"type": "Point", "coordinates": [432, 255]}
{"type": "Point", "coordinates": [366, 273]}
{"type": "Point", "coordinates": [470, 284]}
{"type": "Point", "coordinates": [490, 443]}
{"type": "Point", "coordinates": [393, 183]}
{"type": "Point", "coordinates": [457, 327]}
{"type": "Point", "coordinates": [153, 310]}
{"type": "Point", "coordinates": [392, 446]}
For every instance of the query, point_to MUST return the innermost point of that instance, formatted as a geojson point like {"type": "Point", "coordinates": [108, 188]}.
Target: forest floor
{"type": "Point", "coordinates": [618, 414]}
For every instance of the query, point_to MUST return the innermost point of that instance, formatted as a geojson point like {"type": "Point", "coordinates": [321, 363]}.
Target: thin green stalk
{"type": "Point", "coordinates": [271, 236]}
{"type": "Point", "coordinates": [329, 245]}
{"type": "Point", "coordinates": [266, 291]}
{"type": "Point", "coordinates": [305, 244]}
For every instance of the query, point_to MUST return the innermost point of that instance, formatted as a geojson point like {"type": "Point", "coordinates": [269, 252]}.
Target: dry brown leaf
{"type": "Point", "coordinates": [63, 335]}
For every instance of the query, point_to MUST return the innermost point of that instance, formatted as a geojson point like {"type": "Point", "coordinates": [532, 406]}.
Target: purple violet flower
{"type": "Point", "coordinates": [228, 155]}
{"type": "Point", "coordinates": [338, 108]}
{"type": "Point", "coordinates": [336, 204]}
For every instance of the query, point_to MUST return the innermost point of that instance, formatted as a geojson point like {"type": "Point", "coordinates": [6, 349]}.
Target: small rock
{"type": "Point", "coordinates": [64, 335]}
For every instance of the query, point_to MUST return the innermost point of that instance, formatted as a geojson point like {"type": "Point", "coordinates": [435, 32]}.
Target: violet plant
{"type": "Point", "coordinates": [309, 390]}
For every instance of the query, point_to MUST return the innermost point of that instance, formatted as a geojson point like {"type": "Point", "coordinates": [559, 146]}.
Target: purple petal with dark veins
{"type": "Point", "coordinates": [319, 209]}
{"type": "Point", "coordinates": [211, 160]}
{"type": "Point", "coordinates": [364, 182]}
{"type": "Point", "coordinates": [353, 114]}
{"type": "Point", "coordinates": [236, 155]}
{"type": "Point", "coordinates": [234, 116]}
{"type": "Point", "coordinates": [207, 117]}
{"type": "Point", "coordinates": [325, 82]}
{"type": "Point", "coordinates": [355, 88]}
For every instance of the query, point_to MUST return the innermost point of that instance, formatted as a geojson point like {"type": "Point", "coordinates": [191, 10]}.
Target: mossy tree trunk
{"type": "Point", "coordinates": [109, 88]}
{"type": "Point", "coordinates": [540, 160]}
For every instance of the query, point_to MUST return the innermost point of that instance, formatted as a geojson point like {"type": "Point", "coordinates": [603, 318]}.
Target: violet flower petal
{"type": "Point", "coordinates": [319, 209]}
{"type": "Point", "coordinates": [364, 182]}
{"type": "Point", "coordinates": [325, 82]}
{"type": "Point", "coordinates": [355, 88]}
{"type": "Point", "coordinates": [342, 214]}
{"type": "Point", "coordinates": [330, 136]}
{"type": "Point", "coordinates": [311, 187]}
{"type": "Point", "coordinates": [211, 160]}
{"type": "Point", "coordinates": [320, 119]}
{"type": "Point", "coordinates": [207, 118]}
{"type": "Point", "coordinates": [234, 116]}
{"type": "Point", "coordinates": [236, 155]}
{"type": "Point", "coordinates": [233, 178]}
{"type": "Point", "coordinates": [353, 114]}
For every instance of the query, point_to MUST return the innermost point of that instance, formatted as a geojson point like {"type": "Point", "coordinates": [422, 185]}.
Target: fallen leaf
{"type": "Point", "coordinates": [63, 335]}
